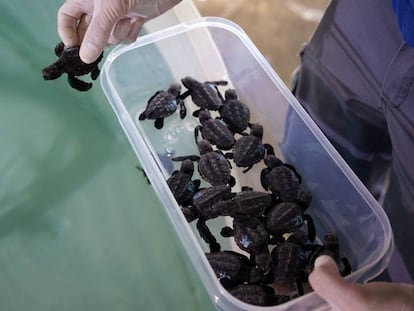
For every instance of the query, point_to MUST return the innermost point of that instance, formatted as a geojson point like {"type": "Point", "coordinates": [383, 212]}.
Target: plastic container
{"type": "Point", "coordinates": [210, 49]}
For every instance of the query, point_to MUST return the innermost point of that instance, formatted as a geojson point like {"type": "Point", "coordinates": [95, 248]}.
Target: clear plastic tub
{"type": "Point", "coordinates": [211, 49]}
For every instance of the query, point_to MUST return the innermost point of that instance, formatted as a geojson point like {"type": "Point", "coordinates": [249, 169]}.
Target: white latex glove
{"type": "Point", "coordinates": [93, 24]}
{"type": "Point", "coordinates": [345, 296]}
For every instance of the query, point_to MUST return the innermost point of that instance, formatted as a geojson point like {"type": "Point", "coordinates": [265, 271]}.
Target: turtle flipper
{"type": "Point", "coordinates": [78, 84]}
{"type": "Point", "coordinates": [182, 158]}
{"type": "Point", "coordinates": [183, 109]}
{"type": "Point", "coordinates": [207, 236]}
{"type": "Point", "coordinates": [95, 73]}
{"type": "Point", "coordinates": [142, 116]}
{"type": "Point", "coordinates": [59, 49]}
{"type": "Point", "coordinates": [159, 123]}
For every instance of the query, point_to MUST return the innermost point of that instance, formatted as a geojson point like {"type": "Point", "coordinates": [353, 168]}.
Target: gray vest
{"type": "Point", "coordinates": [355, 81]}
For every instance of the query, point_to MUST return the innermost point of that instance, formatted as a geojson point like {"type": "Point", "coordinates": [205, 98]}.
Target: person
{"type": "Point", "coordinates": [346, 296]}
{"type": "Point", "coordinates": [94, 24]}
{"type": "Point", "coordinates": [355, 81]}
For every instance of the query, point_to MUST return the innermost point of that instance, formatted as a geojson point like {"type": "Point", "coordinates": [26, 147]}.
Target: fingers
{"type": "Point", "coordinates": [120, 31]}
{"type": "Point", "coordinates": [68, 16]}
{"type": "Point", "coordinates": [344, 296]}
{"type": "Point", "coordinates": [83, 26]}
{"type": "Point", "coordinates": [109, 23]}
{"type": "Point", "coordinates": [97, 36]}
{"type": "Point", "coordinates": [134, 31]}
{"type": "Point", "coordinates": [126, 30]}
{"type": "Point", "coordinates": [329, 284]}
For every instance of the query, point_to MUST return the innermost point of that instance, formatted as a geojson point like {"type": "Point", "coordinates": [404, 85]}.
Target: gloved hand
{"type": "Point", "coordinates": [344, 296]}
{"type": "Point", "coordinates": [93, 24]}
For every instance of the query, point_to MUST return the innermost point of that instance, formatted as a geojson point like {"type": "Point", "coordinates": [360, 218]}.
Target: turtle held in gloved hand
{"type": "Point", "coordinates": [70, 63]}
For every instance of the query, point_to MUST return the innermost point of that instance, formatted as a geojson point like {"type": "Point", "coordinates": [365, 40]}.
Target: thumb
{"type": "Point", "coordinates": [97, 36]}
{"type": "Point", "coordinates": [330, 285]}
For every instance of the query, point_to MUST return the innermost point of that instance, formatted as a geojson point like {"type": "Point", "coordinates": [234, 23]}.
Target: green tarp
{"type": "Point", "coordinates": [80, 227]}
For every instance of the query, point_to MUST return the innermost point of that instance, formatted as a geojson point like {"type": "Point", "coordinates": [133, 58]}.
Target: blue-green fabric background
{"type": "Point", "coordinates": [80, 228]}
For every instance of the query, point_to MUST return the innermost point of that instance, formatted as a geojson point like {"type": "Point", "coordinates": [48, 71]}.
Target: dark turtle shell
{"type": "Point", "coordinates": [204, 94]}
{"type": "Point", "coordinates": [181, 185]}
{"type": "Point", "coordinates": [287, 263]}
{"type": "Point", "coordinates": [69, 62]}
{"type": "Point", "coordinates": [215, 168]}
{"type": "Point", "coordinates": [284, 217]}
{"type": "Point", "coordinates": [162, 104]}
{"type": "Point", "coordinates": [283, 183]}
{"type": "Point", "coordinates": [205, 199]}
{"type": "Point", "coordinates": [234, 113]}
{"type": "Point", "coordinates": [233, 268]}
{"type": "Point", "coordinates": [281, 178]}
{"type": "Point", "coordinates": [249, 233]}
{"type": "Point", "coordinates": [215, 131]}
{"type": "Point", "coordinates": [226, 265]}
{"type": "Point", "coordinates": [259, 295]}
{"type": "Point", "coordinates": [252, 203]}
{"type": "Point", "coordinates": [248, 150]}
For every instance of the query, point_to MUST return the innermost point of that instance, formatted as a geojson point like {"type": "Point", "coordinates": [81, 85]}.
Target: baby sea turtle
{"type": "Point", "coordinates": [251, 236]}
{"type": "Point", "coordinates": [213, 166]}
{"type": "Point", "coordinates": [289, 262]}
{"type": "Point", "coordinates": [215, 131]}
{"type": "Point", "coordinates": [235, 113]}
{"type": "Point", "coordinates": [205, 201]}
{"type": "Point", "coordinates": [203, 207]}
{"type": "Point", "coordinates": [287, 217]}
{"type": "Point", "coordinates": [282, 179]}
{"type": "Point", "coordinates": [247, 202]}
{"type": "Point", "coordinates": [181, 184]}
{"type": "Point", "coordinates": [249, 232]}
{"type": "Point", "coordinates": [70, 63]}
{"type": "Point", "coordinates": [249, 150]}
{"type": "Point", "coordinates": [259, 295]}
{"type": "Point", "coordinates": [163, 104]}
{"type": "Point", "coordinates": [203, 94]}
{"type": "Point", "coordinates": [218, 200]}
{"type": "Point", "coordinates": [233, 268]}
{"type": "Point", "coordinates": [331, 248]}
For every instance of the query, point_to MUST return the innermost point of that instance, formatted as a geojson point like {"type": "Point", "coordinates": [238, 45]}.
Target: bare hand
{"type": "Point", "coordinates": [345, 296]}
